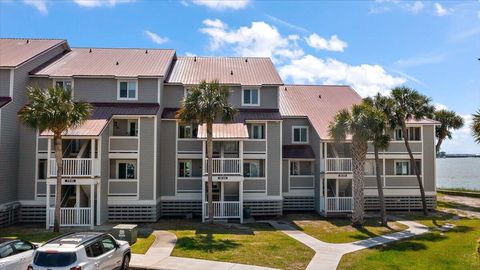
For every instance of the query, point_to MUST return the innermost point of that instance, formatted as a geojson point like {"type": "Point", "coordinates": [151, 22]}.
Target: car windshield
{"type": "Point", "coordinates": [54, 259]}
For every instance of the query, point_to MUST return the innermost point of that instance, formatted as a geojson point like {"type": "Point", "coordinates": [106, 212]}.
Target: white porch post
{"type": "Point", "coordinates": [98, 203]}
{"type": "Point", "coordinates": [203, 200]}
{"type": "Point", "coordinates": [325, 194]}
{"type": "Point", "coordinates": [241, 157]}
{"type": "Point", "coordinates": [77, 203]}
{"type": "Point", "coordinates": [48, 205]}
{"type": "Point", "coordinates": [49, 150]}
{"type": "Point", "coordinates": [204, 154]}
{"type": "Point", "coordinates": [92, 202]}
{"type": "Point", "coordinates": [92, 157]}
{"type": "Point", "coordinates": [240, 190]}
{"type": "Point", "coordinates": [222, 194]}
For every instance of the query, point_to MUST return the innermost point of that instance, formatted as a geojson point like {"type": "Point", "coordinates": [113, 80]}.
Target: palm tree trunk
{"type": "Point", "coordinates": [414, 167]}
{"type": "Point", "coordinates": [210, 171]}
{"type": "Point", "coordinates": [381, 198]}
{"type": "Point", "coordinates": [439, 143]}
{"type": "Point", "coordinates": [57, 138]}
{"type": "Point", "coordinates": [359, 152]}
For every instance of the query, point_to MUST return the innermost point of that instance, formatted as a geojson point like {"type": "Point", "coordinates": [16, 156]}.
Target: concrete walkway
{"type": "Point", "coordinates": [328, 255]}
{"type": "Point", "coordinates": [158, 257]}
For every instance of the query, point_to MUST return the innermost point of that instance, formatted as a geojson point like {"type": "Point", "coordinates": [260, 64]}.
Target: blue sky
{"type": "Point", "coordinates": [371, 45]}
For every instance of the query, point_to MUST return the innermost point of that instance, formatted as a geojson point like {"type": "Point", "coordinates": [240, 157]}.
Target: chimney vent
{"type": "Point", "coordinates": [28, 41]}
{"type": "Point", "coordinates": [195, 59]}
{"type": "Point", "coordinates": [246, 60]}
{"type": "Point", "coordinates": [319, 96]}
{"type": "Point", "coordinates": [117, 63]}
{"type": "Point", "coordinates": [90, 51]}
{"type": "Point", "coordinates": [231, 72]}
{"type": "Point", "coordinates": [146, 51]}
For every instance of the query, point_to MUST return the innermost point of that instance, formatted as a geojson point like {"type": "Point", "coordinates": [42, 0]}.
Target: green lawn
{"type": "Point", "coordinates": [144, 241]}
{"type": "Point", "coordinates": [456, 249]}
{"type": "Point", "coordinates": [256, 244]}
{"type": "Point", "coordinates": [339, 230]}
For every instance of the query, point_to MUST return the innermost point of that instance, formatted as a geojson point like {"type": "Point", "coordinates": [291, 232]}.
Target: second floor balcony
{"type": "Point", "coordinates": [224, 166]}
{"type": "Point", "coordinates": [76, 167]}
{"type": "Point", "coordinates": [338, 157]}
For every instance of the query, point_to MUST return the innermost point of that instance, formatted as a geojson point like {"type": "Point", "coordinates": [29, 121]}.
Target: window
{"type": "Point", "coordinates": [108, 244]}
{"type": "Point", "coordinates": [370, 167]}
{"type": "Point", "coordinates": [402, 167]}
{"type": "Point", "coordinates": [251, 168]}
{"type": "Point", "coordinates": [132, 128]}
{"type": "Point", "coordinates": [127, 90]}
{"type": "Point", "coordinates": [22, 246]}
{"type": "Point", "coordinates": [301, 168]}
{"type": "Point", "coordinates": [413, 134]}
{"type": "Point", "coordinates": [250, 97]}
{"type": "Point", "coordinates": [185, 168]}
{"type": "Point", "coordinates": [42, 169]}
{"type": "Point", "coordinates": [257, 131]}
{"type": "Point", "coordinates": [6, 251]}
{"type": "Point", "coordinates": [230, 147]}
{"type": "Point", "coordinates": [65, 84]}
{"type": "Point", "coordinates": [299, 134]}
{"type": "Point", "coordinates": [126, 169]}
{"type": "Point", "coordinates": [187, 132]}
{"type": "Point", "coordinates": [54, 259]}
{"type": "Point", "coordinates": [94, 250]}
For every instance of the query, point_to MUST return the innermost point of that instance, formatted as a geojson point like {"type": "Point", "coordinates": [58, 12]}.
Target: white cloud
{"type": "Point", "coordinates": [440, 106]}
{"type": "Point", "coordinates": [462, 139]}
{"type": "Point", "coordinates": [287, 24]}
{"type": "Point", "coordinates": [154, 37]}
{"type": "Point", "coordinates": [40, 5]}
{"type": "Point", "coordinates": [366, 79]}
{"type": "Point", "coordinates": [415, 7]}
{"type": "Point", "coordinates": [440, 10]}
{"type": "Point", "coordinates": [100, 3]}
{"type": "Point", "coordinates": [259, 39]}
{"type": "Point", "coordinates": [320, 43]}
{"type": "Point", "coordinates": [421, 60]}
{"type": "Point", "coordinates": [223, 4]}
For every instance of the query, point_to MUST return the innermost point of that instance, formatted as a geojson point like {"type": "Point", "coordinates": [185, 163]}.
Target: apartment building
{"type": "Point", "coordinates": [133, 161]}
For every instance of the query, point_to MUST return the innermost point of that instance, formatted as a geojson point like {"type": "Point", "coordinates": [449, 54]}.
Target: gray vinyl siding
{"type": "Point", "coordinates": [285, 176]}
{"type": "Point", "coordinates": [21, 138]}
{"type": "Point", "coordinates": [167, 154]}
{"type": "Point", "coordinates": [146, 165]}
{"type": "Point", "coordinates": [268, 97]}
{"type": "Point", "coordinates": [254, 185]}
{"type": "Point", "coordinates": [429, 158]}
{"type": "Point", "coordinates": [189, 185]}
{"type": "Point", "coordinates": [4, 82]}
{"type": "Point", "coordinates": [274, 159]}
{"type": "Point", "coordinates": [105, 90]}
{"type": "Point", "coordinates": [43, 83]}
{"type": "Point", "coordinates": [104, 172]}
{"type": "Point", "coordinates": [288, 123]}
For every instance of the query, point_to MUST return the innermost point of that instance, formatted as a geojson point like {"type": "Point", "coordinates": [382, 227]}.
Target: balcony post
{"type": "Point", "coordinates": [47, 226]}
{"type": "Point", "coordinates": [204, 153]}
{"type": "Point", "coordinates": [92, 202]}
{"type": "Point", "coordinates": [203, 201]}
{"type": "Point", "coordinates": [240, 206]}
{"type": "Point", "coordinates": [240, 149]}
{"type": "Point", "coordinates": [92, 157]}
{"type": "Point", "coordinates": [49, 150]}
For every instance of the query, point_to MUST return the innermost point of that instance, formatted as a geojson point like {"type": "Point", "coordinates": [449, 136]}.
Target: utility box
{"type": "Point", "coordinates": [126, 232]}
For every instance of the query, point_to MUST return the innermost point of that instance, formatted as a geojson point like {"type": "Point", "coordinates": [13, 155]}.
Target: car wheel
{"type": "Point", "coordinates": [126, 262]}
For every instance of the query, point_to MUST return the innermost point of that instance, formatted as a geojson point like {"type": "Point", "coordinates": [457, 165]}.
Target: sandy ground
{"type": "Point", "coordinates": [471, 205]}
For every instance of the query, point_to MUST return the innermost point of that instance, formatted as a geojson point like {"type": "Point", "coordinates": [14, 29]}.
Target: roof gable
{"type": "Point", "coordinates": [16, 51]}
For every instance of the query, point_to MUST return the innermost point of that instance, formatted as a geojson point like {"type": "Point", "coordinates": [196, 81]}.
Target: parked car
{"type": "Point", "coordinates": [15, 254]}
{"type": "Point", "coordinates": [82, 251]}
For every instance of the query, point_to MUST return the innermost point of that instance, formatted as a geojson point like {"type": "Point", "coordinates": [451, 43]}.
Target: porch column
{"type": "Point", "coordinates": [77, 202]}
{"type": "Point", "coordinates": [240, 150]}
{"type": "Point", "coordinates": [204, 156]}
{"type": "Point", "coordinates": [240, 190]}
{"type": "Point", "coordinates": [203, 198]}
{"type": "Point", "coordinates": [47, 226]}
{"type": "Point", "coordinates": [92, 202]}
{"type": "Point", "coordinates": [49, 150]}
{"type": "Point", "coordinates": [98, 203]}
{"type": "Point", "coordinates": [325, 194]}
{"type": "Point", "coordinates": [92, 157]}
{"type": "Point", "coordinates": [222, 194]}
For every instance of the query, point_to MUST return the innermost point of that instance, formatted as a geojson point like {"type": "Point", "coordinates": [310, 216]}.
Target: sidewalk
{"type": "Point", "coordinates": [328, 255]}
{"type": "Point", "coordinates": [158, 258]}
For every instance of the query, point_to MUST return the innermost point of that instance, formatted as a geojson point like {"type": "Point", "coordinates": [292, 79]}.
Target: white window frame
{"type": "Point", "coordinates": [307, 137]}
{"type": "Point", "coordinates": [250, 104]}
{"type": "Point", "coordinates": [63, 80]}
{"type": "Point", "coordinates": [261, 131]}
{"type": "Point", "coordinates": [401, 161]}
{"type": "Point", "coordinates": [136, 126]}
{"type": "Point", "coordinates": [191, 130]}
{"type": "Point", "coordinates": [127, 81]}
{"type": "Point", "coordinates": [133, 161]}
{"type": "Point", "coordinates": [179, 168]}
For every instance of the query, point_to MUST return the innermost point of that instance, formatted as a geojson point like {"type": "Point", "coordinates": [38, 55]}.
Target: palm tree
{"type": "Point", "coordinates": [205, 103]}
{"type": "Point", "coordinates": [357, 124]}
{"type": "Point", "coordinates": [380, 140]}
{"type": "Point", "coordinates": [449, 120]}
{"type": "Point", "coordinates": [407, 104]}
{"type": "Point", "coordinates": [54, 109]}
{"type": "Point", "coordinates": [476, 126]}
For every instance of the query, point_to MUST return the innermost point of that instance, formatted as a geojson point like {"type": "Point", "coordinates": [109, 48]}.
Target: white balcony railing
{"type": "Point", "coordinates": [224, 209]}
{"type": "Point", "coordinates": [339, 204]}
{"type": "Point", "coordinates": [76, 167]}
{"type": "Point", "coordinates": [339, 164]}
{"type": "Point", "coordinates": [71, 216]}
{"type": "Point", "coordinates": [224, 166]}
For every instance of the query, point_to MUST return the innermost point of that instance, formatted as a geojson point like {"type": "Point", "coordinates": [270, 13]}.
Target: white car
{"type": "Point", "coordinates": [15, 254]}
{"type": "Point", "coordinates": [82, 251]}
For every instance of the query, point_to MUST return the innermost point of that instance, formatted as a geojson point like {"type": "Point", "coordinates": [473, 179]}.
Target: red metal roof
{"type": "Point", "coordinates": [110, 62]}
{"type": "Point", "coordinates": [242, 115]}
{"type": "Point", "coordinates": [319, 103]}
{"type": "Point", "coordinates": [4, 101]}
{"type": "Point", "coordinates": [227, 70]}
{"type": "Point", "coordinates": [16, 51]}
{"type": "Point", "coordinates": [103, 112]}
{"type": "Point", "coordinates": [424, 121]}
{"type": "Point", "coordinates": [224, 131]}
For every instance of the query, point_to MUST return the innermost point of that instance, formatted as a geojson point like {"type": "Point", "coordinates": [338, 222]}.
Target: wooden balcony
{"type": "Point", "coordinates": [339, 165]}
{"type": "Point", "coordinates": [224, 166]}
{"type": "Point", "coordinates": [76, 167]}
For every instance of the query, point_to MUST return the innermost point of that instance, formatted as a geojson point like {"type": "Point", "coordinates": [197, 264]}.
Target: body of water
{"type": "Point", "coordinates": [458, 173]}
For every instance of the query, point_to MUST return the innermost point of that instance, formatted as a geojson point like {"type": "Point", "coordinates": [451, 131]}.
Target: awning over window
{"type": "Point", "coordinates": [298, 152]}
{"type": "Point", "coordinates": [89, 128]}
{"type": "Point", "coordinates": [225, 131]}
{"type": "Point", "coordinates": [4, 101]}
